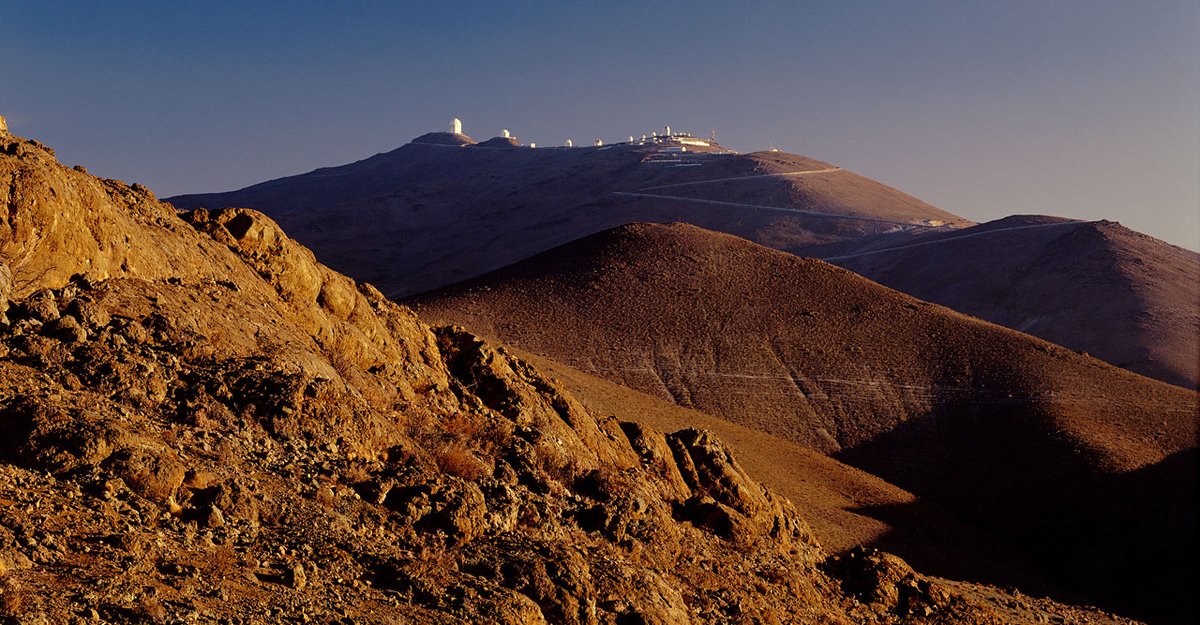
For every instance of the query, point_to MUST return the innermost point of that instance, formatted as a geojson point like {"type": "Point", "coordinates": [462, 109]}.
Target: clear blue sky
{"type": "Point", "coordinates": [1077, 108]}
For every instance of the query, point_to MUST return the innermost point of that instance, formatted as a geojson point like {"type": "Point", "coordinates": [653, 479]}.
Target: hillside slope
{"type": "Point", "coordinates": [1122, 296]}
{"type": "Point", "coordinates": [1018, 434]}
{"type": "Point", "coordinates": [442, 209]}
{"type": "Point", "coordinates": [845, 507]}
{"type": "Point", "coordinates": [202, 421]}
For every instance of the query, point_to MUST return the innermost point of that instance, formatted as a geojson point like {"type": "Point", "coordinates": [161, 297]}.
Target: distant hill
{"type": "Point", "coordinates": [991, 422]}
{"type": "Point", "coordinates": [443, 209]}
{"type": "Point", "coordinates": [1119, 295]}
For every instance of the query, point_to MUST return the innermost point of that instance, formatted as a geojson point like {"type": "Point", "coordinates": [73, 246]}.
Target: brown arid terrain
{"type": "Point", "coordinates": [1121, 296]}
{"type": "Point", "coordinates": [443, 209]}
{"type": "Point", "coordinates": [845, 507]}
{"type": "Point", "coordinates": [204, 424]}
{"type": "Point", "coordinates": [1084, 468]}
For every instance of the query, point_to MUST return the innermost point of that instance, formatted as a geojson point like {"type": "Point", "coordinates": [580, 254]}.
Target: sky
{"type": "Point", "coordinates": [1085, 109]}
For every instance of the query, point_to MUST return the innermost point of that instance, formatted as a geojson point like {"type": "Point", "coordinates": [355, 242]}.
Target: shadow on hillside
{"type": "Point", "coordinates": [944, 550]}
{"type": "Point", "coordinates": [1126, 542]}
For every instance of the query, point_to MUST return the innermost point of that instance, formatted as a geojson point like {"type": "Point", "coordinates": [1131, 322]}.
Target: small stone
{"type": "Point", "coordinates": [136, 333]}
{"type": "Point", "coordinates": [215, 518]}
{"type": "Point", "coordinates": [88, 314]}
{"type": "Point", "coordinates": [296, 577]}
{"type": "Point", "coordinates": [41, 307]}
{"type": "Point", "coordinates": [200, 479]}
{"type": "Point", "coordinates": [66, 329]}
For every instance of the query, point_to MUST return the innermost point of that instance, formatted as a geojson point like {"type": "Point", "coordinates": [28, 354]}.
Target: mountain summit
{"type": "Point", "coordinates": [442, 208]}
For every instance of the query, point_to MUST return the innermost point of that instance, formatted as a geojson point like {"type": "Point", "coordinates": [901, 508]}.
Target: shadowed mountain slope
{"type": "Point", "coordinates": [846, 507]}
{"type": "Point", "coordinates": [202, 421]}
{"type": "Point", "coordinates": [442, 209]}
{"type": "Point", "coordinates": [1127, 298]}
{"type": "Point", "coordinates": [1002, 427]}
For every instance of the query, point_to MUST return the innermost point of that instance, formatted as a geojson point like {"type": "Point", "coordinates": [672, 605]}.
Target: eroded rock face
{"type": "Point", "coordinates": [225, 429]}
{"type": "Point", "coordinates": [729, 502]}
{"type": "Point", "coordinates": [887, 583]}
{"type": "Point", "coordinates": [5, 286]}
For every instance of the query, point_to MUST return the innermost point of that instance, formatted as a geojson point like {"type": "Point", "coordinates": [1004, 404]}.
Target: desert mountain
{"type": "Point", "coordinates": [202, 421]}
{"type": "Point", "coordinates": [1041, 445]}
{"type": "Point", "coordinates": [442, 209]}
{"type": "Point", "coordinates": [1122, 296]}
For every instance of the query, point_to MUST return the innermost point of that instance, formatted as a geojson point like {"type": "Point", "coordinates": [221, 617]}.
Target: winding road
{"type": "Point", "coordinates": [956, 238]}
{"type": "Point", "coordinates": [774, 208]}
{"type": "Point", "coordinates": [776, 175]}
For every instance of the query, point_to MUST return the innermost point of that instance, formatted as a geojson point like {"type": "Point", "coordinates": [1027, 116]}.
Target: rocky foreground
{"type": "Point", "coordinates": [203, 424]}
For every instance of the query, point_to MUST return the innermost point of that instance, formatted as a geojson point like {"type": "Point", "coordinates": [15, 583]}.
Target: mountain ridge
{"type": "Point", "coordinates": [968, 413]}
{"type": "Point", "coordinates": [442, 209]}
{"type": "Point", "coordinates": [418, 196]}
{"type": "Point", "coordinates": [1097, 286]}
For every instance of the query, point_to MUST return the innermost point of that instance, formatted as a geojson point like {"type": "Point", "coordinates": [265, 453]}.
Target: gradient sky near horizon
{"type": "Point", "coordinates": [1077, 108]}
